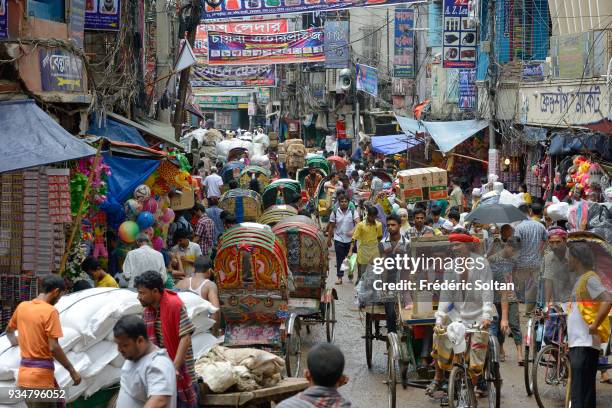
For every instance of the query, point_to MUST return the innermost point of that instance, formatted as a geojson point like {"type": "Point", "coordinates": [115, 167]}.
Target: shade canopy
{"type": "Point", "coordinates": [30, 138]}
{"type": "Point", "coordinates": [392, 144]}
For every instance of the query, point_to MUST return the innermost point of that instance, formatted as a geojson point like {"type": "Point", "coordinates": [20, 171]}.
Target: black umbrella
{"type": "Point", "coordinates": [495, 214]}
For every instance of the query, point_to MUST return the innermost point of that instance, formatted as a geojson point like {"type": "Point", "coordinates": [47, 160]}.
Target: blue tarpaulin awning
{"type": "Point", "coordinates": [392, 144]}
{"type": "Point", "coordinates": [32, 138]}
{"type": "Point", "coordinates": [117, 132]}
{"type": "Point", "coordinates": [127, 174]}
{"type": "Point", "coordinates": [447, 135]}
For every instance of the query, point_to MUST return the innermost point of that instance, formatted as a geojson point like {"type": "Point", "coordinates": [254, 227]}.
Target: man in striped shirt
{"type": "Point", "coordinates": [204, 234]}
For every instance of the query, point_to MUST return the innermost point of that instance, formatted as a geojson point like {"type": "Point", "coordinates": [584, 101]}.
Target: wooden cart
{"type": "Point", "coordinates": [262, 398]}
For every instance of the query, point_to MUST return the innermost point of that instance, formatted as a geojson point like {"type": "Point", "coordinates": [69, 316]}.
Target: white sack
{"type": "Point", "coordinates": [202, 323]}
{"type": "Point", "coordinates": [100, 356]}
{"type": "Point", "coordinates": [107, 377]}
{"type": "Point", "coordinates": [9, 360]}
{"type": "Point", "coordinates": [218, 376]}
{"type": "Point", "coordinates": [202, 343]}
{"type": "Point", "coordinates": [261, 160]}
{"type": "Point", "coordinates": [558, 211]}
{"type": "Point", "coordinates": [75, 391]}
{"type": "Point", "coordinates": [70, 338]}
{"type": "Point", "coordinates": [5, 387]}
{"type": "Point", "coordinates": [81, 363]}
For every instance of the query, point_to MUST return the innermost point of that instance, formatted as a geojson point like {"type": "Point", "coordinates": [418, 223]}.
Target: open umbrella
{"type": "Point", "coordinates": [340, 162]}
{"type": "Point", "coordinates": [495, 214]}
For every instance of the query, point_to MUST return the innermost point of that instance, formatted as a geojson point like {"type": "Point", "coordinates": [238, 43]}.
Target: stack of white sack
{"type": "Point", "coordinates": [224, 147]}
{"type": "Point", "coordinates": [87, 319]}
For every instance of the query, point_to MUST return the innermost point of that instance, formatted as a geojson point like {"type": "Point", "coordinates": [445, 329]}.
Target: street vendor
{"type": "Point", "coordinates": [169, 327]}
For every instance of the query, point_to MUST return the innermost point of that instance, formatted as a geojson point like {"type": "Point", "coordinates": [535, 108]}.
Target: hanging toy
{"type": "Point", "coordinates": [132, 209]}
{"type": "Point", "coordinates": [150, 205]}
{"type": "Point", "coordinates": [158, 243]}
{"type": "Point", "coordinates": [99, 243]}
{"type": "Point", "coordinates": [128, 231]}
{"type": "Point", "coordinates": [145, 220]}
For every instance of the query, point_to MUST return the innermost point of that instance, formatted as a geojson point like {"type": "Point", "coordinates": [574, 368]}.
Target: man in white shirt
{"type": "Point", "coordinates": [213, 184]}
{"type": "Point", "coordinates": [143, 259]}
{"type": "Point", "coordinates": [187, 250]}
{"type": "Point", "coordinates": [342, 222]}
{"type": "Point", "coordinates": [588, 326]}
{"type": "Point", "coordinates": [148, 377]}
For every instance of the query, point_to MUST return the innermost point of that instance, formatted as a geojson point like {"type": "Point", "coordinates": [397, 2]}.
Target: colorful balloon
{"type": "Point", "coordinates": [132, 209]}
{"type": "Point", "coordinates": [145, 220]}
{"type": "Point", "coordinates": [150, 205]}
{"type": "Point", "coordinates": [142, 193]}
{"type": "Point", "coordinates": [168, 215]}
{"type": "Point", "coordinates": [128, 231]}
{"type": "Point", "coordinates": [158, 243]}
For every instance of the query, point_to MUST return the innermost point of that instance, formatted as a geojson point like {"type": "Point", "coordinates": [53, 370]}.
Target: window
{"type": "Point", "coordinates": [54, 10]}
{"type": "Point", "coordinates": [371, 45]}
{"type": "Point", "coordinates": [223, 120]}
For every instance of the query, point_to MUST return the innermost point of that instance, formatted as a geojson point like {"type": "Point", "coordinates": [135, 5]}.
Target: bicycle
{"type": "Point", "coordinates": [460, 387]}
{"type": "Point", "coordinates": [551, 368]}
{"type": "Point", "coordinates": [532, 344]}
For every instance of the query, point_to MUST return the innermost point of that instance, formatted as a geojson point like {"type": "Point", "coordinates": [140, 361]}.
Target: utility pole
{"type": "Point", "coordinates": [184, 78]}
{"type": "Point", "coordinates": [491, 72]}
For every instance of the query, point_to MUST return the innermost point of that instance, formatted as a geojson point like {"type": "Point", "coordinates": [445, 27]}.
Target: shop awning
{"type": "Point", "coordinates": [31, 138]}
{"type": "Point", "coordinates": [392, 144]}
{"type": "Point", "coordinates": [569, 142]}
{"type": "Point", "coordinates": [447, 135]}
{"type": "Point", "coordinates": [159, 130]}
{"type": "Point", "coordinates": [116, 132]}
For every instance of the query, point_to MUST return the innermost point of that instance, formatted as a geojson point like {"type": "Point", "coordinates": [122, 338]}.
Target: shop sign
{"type": "Point", "coordinates": [220, 101]}
{"type": "Point", "coordinates": [239, 8]}
{"type": "Point", "coordinates": [564, 105]}
{"type": "Point", "coordinates": [572, 52]}
{"type": "Point", "coordinates": [367, 79]}
{"type": "Point", "coordinates": [459, 39]}
{"type": "Point", "coordinates": [533, 71]}
{"type": "Point", "coordinates": [467, 89]}
{"type": "Point", "coordinates": [3, 18]}
{"type": "Point", "coordinates": [102, 14]}
{"type": "Point", "coordinates": [336, 44]}
{"type": "Point", "coordinates": [233, 76]}
{"type": "Point", "coordinates": [247, 49]}
{"type": "Point", "coordinates": [200, 45]}
{"type": "Point", "coordinates": [60, 70]}
{"type": "Point", "coordinates": [403, 56]}
{"type": "Point", "coordinates": [77, 22]}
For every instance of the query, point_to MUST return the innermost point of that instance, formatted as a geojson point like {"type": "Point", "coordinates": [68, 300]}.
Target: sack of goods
{"type": "Point", "coordinates": [243, 369]}
{"type": "Point", "coordinates": [87, 319]}
{"type": "Point", "coordinates": [296, 154]}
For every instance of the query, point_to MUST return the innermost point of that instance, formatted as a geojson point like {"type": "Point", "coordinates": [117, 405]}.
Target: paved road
{"type": "Point", "coordinates": [367, 389]}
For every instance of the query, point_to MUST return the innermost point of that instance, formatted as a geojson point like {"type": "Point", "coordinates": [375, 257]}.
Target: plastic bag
{"type": "Point", "coordinates": [366, 294]}
{"type": "Point", "coordinates": [345, 265]}
{"type": "Point", "coordinates": [352, 262]}
{"type": "Point", "coordinates": [600, 221]}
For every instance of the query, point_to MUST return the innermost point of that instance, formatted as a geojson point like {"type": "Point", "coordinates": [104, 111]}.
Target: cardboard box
{"type": "Point", "coordinates": [437, 193]}
{"type": "Point", "coordinates": [439, 177]}
{"type": "Point", "coordinates": [412, 195]}
{"type": "Point", "coordinates": [183, 201]}
{"type": "Point", "coordinates": [414, 178]}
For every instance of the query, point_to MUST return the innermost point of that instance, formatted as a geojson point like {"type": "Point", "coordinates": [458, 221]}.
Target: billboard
{"type": "Point", "coordinates": [102, 14]}
{"type": "Point", "coordinates": [403, 55]}
{"type": "Point", "coordinates": [367, 79]}
{"type": "Point", "coordinates": [336, 44]}
{"type": "Point", "coordinates": [233, 76]}
{"type": "Point", "coordinates": [459, 37]}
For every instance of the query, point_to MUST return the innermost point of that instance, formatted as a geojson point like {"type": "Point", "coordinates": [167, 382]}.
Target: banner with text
{"type": "Point", "coordinates": [3, 18]}
{"type": "Point", "coordinates": [236, 77]}
{"type": "Point", "coordinates": [240, 8]}
{"type": "Point", "coordinates": [336, 44]}
{"type": "Point", "coordinates": [60, 70]}
{"type": "Point", "coordinates": [467, 89]}
{"type": "Point", "coordinates": [200, 46]}
{"type": "Point", "coordinates": [403, 57]}
{"type": "Point", "coordinates": [102, 14]}
{"type": "Point", "coordinates": [367, 79]}
{"type": "Point", "coordinates": [245, 49]}
{"type": "Point", "coordinates": [77, 22]}
{"type": "Point", "coordinates": [459, 39]}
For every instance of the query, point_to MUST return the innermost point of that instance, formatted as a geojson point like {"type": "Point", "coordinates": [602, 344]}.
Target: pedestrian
{"type": "Point", "coordinates": [325, 374]}
{"type": "Point", "coordinates": [506, 302]}
{"type": "Point", "coordinates": [180, 222]}
{"type": "Point", "coordinates": [92, 268]}
{"type": "Point", "coordinates": [342, 222]}
{"type": "Point", "coordinates": [405, 225]}
{"type": "Point", "coordinates": [169, 327]}
{"type": "Point", "coordinates": [148, 377]}
{"type": "Point", "coordinates": [186, 250]}
{"type": "Point", "coordinates": [366, 235]}
{"type": "Point", "coordinates": [420, 229]}
{"type": "Point", "coordinates": [476, 195]}
{"type": "Point", "coordinates": [214, 213]}
{"type": "Point", "coordinates": [557, 277]}
{"type": "Point", "coordinates": [588, 326]}
{"type": "Point", "coordinates": [201, 283]}
{"type": "Point", "coordinates": [456, 195]}
{"type": "Point", "coordinates": [204, 234]}
{"type": "Point", "coordinates": [533, 237]}
{"type": "Point", "coordinates": [213, 184]}
{"type": "Point", "coordinates": [39, 327]}
{"type": "Point", "coordinates": [436, 216]}
{"type": "Point", "coordinates": [143, 259]}
{"type": "Point", "coordinates": [229, 220]}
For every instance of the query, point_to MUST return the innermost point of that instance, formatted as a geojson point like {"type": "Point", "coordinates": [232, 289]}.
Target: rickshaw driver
{"type": "Point", "coordinates": [467, 306]}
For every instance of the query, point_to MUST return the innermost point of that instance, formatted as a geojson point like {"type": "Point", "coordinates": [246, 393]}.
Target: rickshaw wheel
{"type": "Point", "coordinates": [368, 339]}
{"type": "Point", "coordinates": [392, 371]}
{"type": "Point", "coordinates": [330, 319]}
{"type": "Point", "coordinates": [293, 351]}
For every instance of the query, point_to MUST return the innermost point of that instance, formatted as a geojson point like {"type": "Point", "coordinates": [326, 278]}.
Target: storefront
{"type": "Point", "coordinates": [228, 109]}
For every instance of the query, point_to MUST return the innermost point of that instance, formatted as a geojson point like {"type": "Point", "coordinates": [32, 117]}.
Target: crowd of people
{"type": "Point", "coordinates": [533, 255]}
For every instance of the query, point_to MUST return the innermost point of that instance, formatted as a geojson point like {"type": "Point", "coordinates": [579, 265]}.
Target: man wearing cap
{"type": "Point", "coordinates": [557, 278]}
{"type": "Point", "coordinates": [476, 194]}
{"type": "Point", "coordinates": [467, 305]}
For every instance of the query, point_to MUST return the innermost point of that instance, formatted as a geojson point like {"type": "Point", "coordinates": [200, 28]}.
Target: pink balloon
{"type": "Point", "coordinates": [158, 243]}
{"type": "Point", "coordinates": [168, 216]}
{"type": "Point", "coordinates": [150, 205]}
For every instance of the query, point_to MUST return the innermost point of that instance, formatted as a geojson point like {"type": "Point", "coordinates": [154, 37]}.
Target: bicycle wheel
{"type": "Point", "coordinates": [368, 339]}
{"type": "Point", "coordinates": [493, 379]}
{"type": "Point", "coordinates": [550, 375]}
{"type": "Point", "coordinates": [460, 389]}
{"type": "Point", "coordinates": [529, 354]}
{"type": "Point", "coordinates": [392, 370]}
